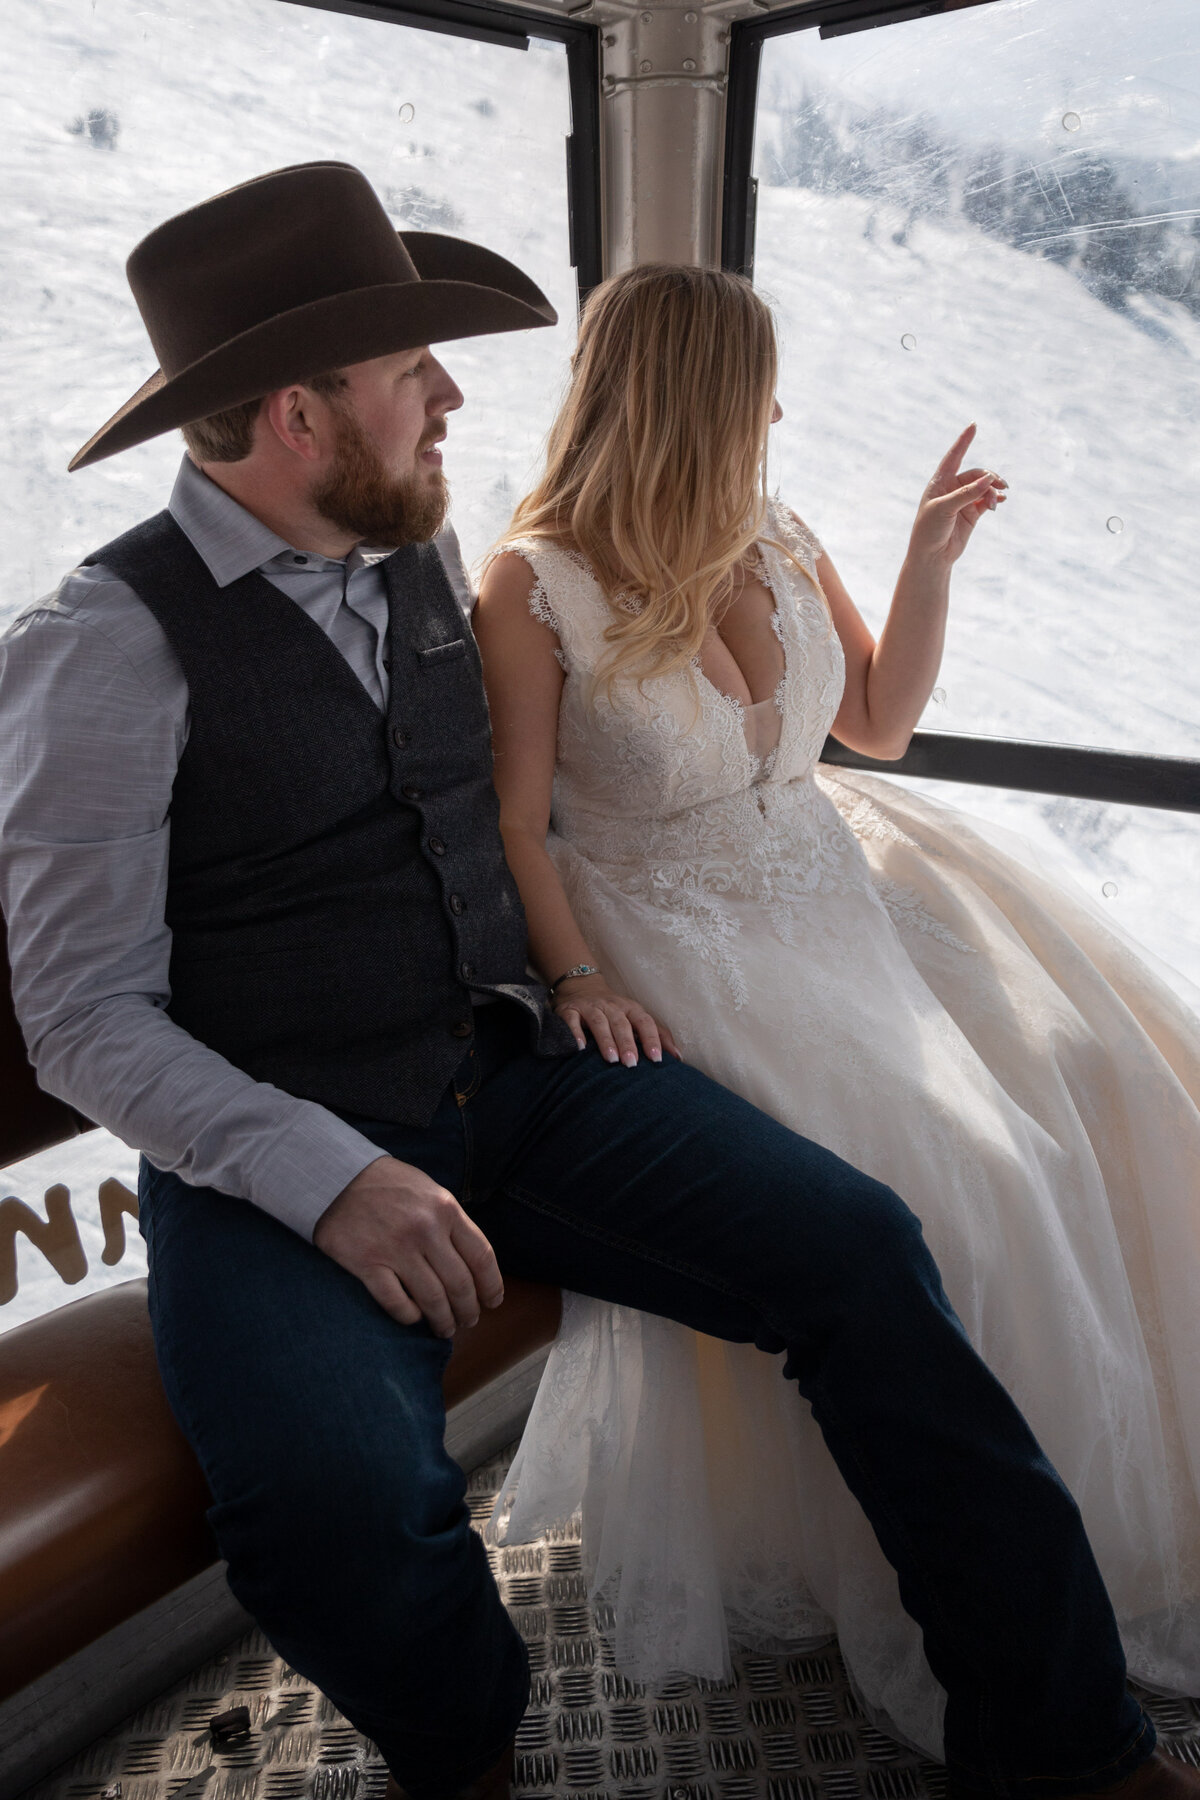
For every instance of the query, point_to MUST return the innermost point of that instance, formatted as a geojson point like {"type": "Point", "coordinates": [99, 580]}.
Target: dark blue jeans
{"type": "Point", "coordinates": [319, 1421]}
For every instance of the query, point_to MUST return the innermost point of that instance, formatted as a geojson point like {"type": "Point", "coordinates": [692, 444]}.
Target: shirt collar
{"type": "Point", "coordinates": [230, 541]}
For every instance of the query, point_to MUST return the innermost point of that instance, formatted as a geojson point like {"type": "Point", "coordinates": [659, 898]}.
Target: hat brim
{"type": "Point", "coordinates": [463, 291]}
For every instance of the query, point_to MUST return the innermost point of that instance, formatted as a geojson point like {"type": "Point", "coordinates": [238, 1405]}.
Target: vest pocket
{"type": "Point", "coordinates": [437, 654]}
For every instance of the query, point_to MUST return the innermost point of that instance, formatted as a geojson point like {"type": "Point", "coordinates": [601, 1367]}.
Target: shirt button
{"type": "Point", "coordinates": [457, 904]}
{"type": "Point", "coordinates": [462, 1029]}
{"type": "Point", "coordinates": [399, 737]}
{"type": "Point", "coordinates": [299, 559]}
{"type": "Point", "coordinates": [466, 970]}
{"type": "Point", "coordinates": [437, 846]}
{"type": "Point", "coordinates": [411, 793]}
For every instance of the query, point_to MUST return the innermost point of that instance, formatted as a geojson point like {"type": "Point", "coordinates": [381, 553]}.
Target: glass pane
{"type": "Point", "coordinates": [116, 114]}
{"type": "Point", "coordinates": [992, 216]}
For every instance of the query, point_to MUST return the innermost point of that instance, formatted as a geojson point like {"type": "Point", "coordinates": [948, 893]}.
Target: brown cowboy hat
{"type": "Point", "coordinates": [291, 275]}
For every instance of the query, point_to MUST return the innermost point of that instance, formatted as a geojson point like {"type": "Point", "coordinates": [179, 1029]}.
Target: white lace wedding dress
{"type": "Point", "coordinates": [869, 968]}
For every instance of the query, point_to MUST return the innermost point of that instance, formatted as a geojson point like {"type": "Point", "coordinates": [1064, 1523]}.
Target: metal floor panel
{"type": "Point", "coordinates": [784, 1728]}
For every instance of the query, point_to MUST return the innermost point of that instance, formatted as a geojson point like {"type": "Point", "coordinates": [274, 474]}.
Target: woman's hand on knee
{"type": "Point", "coordinates": [412, 1246]}
{"type": "Point", "coordinates": [616, 1023]}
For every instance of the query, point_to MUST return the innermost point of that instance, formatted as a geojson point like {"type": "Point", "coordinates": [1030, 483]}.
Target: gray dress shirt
{"type": "Point", "coordinates": [94, 716]}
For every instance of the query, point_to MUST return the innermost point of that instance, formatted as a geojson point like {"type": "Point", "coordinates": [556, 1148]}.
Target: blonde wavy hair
{"type": "Point", "coordinates": [656, 463]}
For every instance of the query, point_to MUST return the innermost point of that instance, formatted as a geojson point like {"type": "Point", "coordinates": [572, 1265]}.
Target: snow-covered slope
{"type": "Point", "coordinates": [1061, 628]}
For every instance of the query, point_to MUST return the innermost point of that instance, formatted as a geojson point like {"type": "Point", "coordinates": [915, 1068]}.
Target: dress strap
{"type": "Point", "coordinates": [804, 544]}
{"type": "Point", "coordinates": [567, 598]}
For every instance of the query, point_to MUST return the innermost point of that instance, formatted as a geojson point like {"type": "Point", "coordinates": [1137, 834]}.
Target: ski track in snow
{"type": "Point", "coordinates": [1060, 629]}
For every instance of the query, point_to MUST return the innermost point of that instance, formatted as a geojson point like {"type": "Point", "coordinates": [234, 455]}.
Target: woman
{"type": "Point", "coordinates": [665, 651]}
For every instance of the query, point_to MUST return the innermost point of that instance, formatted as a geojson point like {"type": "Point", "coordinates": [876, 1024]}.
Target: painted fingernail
{"type": "Point", "coordinates": [629, 1058]}
{"type": "Point", "coordinates": [610, 1056]}
{"type": "Point", "coordinates": [655, 1055]}
{"type": "Point", "coordinates": [580, 1044]}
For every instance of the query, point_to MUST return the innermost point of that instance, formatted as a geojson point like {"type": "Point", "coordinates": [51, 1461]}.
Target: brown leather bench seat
{"type": "Point", "coordinates": [101, 1501]}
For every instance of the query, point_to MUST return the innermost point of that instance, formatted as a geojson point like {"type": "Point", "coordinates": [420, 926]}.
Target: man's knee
{"type": "Point", "coordinates": [368, 1533]}
{"type": "Point", "coordinates": [862, 1239]}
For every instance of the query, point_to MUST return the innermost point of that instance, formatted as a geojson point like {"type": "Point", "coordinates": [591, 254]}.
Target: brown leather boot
{"type": "Point", "coordinates": [1160, 1777]}
{"type": "Point", "coordinates": [494, 1784]}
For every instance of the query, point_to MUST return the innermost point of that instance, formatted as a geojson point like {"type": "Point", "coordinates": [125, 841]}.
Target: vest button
{"type": "Point", "coordinates": [457, 904]}
{"type": "Point", "coordinates": [411, 793]}
{"type": "Point", "coordinates": [462, 1029]}
{"type": "Point", "coordinates": [399, 737]}
{"type": "Point", "coordinates": [437, 846]}
{"type": "Point", "coordinates": [466, 970]}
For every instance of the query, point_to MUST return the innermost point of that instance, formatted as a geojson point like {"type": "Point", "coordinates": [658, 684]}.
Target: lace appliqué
{"type": "Point", "coordinates": [905, 908]}
{"type": "Point", "coordinates": [867, 821]}
{"type": "Point", "coordinates": [870, 823]}
{"type": "Point", "coordinates": [543, 612]}
{"type": "Point", "coordinates": [804, 545]}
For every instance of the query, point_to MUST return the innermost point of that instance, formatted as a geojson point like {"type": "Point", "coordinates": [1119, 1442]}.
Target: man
{"type": "Point", "coordinates": [261, 925]}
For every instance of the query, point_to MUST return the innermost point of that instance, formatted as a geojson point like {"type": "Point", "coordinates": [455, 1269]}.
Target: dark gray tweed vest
{"type": "Point", "coordinates": [337, 880]}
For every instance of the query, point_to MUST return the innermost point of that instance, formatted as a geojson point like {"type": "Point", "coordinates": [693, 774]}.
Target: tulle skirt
{"type": "Point", "coordinates": [985, 1043]}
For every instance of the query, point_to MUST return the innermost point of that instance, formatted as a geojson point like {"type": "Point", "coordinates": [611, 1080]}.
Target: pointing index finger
{"type": "Point", "coordinates": [950, 462]}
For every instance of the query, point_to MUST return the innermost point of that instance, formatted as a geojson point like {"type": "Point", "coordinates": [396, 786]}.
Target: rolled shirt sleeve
{"type": "Point", "coordinates": [91, 747]}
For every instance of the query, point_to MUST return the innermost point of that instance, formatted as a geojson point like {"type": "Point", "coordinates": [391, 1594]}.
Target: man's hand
{"type": "Point", "coordinates": [412, 1246]}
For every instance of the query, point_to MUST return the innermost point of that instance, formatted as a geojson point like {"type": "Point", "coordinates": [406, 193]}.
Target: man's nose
{"type": "Point", "coordinates": [447, 395]}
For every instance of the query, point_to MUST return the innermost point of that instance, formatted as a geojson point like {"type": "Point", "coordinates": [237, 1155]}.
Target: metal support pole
{"type": "Point", "coordinates": [662, 111]}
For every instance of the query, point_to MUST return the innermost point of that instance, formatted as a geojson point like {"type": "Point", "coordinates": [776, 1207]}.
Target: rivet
{"type": "Point", "coordinates": [645, 67]}
{"type": "Point", "coordinates": [688, 63]}
{"type": "Point", "coordinates": [609, 41]}
{"type": "Point", "coordinates": [647, 18]}
{"type": "Point", "coordinates": [690, 18]}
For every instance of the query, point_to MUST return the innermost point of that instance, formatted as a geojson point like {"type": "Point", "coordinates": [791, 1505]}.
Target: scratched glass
{"type": "Point", "coordinates": [992, 216]}
{"type": "Point", "coordinates": [114, 116]}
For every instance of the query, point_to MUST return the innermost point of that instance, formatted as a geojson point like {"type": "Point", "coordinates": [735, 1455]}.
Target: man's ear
{"type": "Point", "coordinates": [299, 419]}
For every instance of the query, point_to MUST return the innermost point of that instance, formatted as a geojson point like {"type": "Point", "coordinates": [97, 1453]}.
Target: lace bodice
{"type": "Point", "coordinates": [652, 770]}
{"type": "Point", "coordinates": [676, 793]}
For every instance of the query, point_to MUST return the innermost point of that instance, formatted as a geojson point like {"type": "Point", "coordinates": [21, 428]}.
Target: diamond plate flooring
{"type": "Point", "coordinates": [784, 1728]}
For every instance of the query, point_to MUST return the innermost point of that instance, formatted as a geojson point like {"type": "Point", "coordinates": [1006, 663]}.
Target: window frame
{"type": "Point", "coordinates": [1077, 772]}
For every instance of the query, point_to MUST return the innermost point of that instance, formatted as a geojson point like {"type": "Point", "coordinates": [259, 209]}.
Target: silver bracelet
{"type": "Point", "coordinates": [579, 969]}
